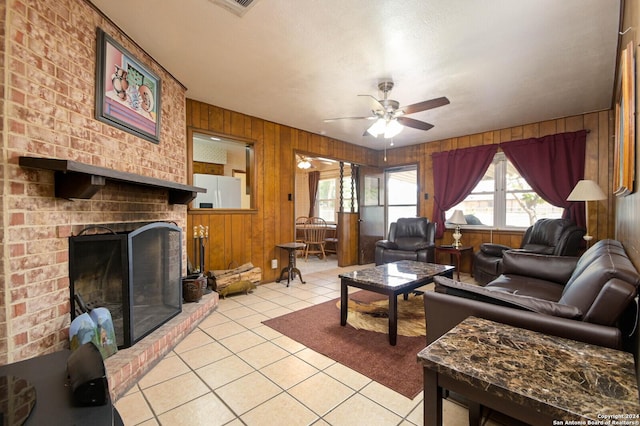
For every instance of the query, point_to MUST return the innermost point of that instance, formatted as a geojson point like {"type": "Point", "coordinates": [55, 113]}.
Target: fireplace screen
{"type": "Point", "coordinates": [136, 275]}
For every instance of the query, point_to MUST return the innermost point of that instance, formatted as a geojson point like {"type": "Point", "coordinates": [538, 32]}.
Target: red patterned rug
{"type": "Point", "coordinates": [367, 352]}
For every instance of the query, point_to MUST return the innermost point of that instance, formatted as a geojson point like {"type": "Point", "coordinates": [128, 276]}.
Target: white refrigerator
{"type": "Point", "coordinates": [222, 191]}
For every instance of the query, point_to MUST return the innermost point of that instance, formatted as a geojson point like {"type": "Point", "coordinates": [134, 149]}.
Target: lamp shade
{"type": "Point", "coordinates": [586, 190]}
{"type": "Point", "coordinates": [457, 218]}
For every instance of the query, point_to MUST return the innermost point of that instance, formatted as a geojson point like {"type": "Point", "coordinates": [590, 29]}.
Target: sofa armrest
{"type": "Point", "coordinates": [494, 250]}
{"type": "Point", "coordinates": [545, 267]}
{"type": "Point", "coordinates": [443, 312]}
{"type": "Point", "coordinates": [386, 244]}
{"type": "Point", "coordinates": [505, 297]}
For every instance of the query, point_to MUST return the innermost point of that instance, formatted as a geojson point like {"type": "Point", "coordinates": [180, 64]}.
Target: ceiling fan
{"type": "Point", "coordinates": [390, 117]}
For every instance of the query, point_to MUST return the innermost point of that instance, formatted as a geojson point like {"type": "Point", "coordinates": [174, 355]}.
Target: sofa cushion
{"type": "Point", "coordinates": [501, 296]}
{"type": "Point", "coordinates": [558, 269]}
{"type": "Point", "coordinates": [528, 286]}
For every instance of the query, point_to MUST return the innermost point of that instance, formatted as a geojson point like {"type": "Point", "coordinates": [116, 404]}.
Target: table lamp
{"type": "Point", "coordinates": [586, 190]}
{"type": "Point", "coordinates": [457, 218]}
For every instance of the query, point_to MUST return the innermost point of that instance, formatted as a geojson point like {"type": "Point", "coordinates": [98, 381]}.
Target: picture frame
{"type": "Point", "coordinates": [624, 159]}
{"type": "Point", "coordinates": [128, 93]}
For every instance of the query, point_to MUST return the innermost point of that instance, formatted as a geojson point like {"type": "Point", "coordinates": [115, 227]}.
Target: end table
{"type": "Point", "coordinates": [457, 253]}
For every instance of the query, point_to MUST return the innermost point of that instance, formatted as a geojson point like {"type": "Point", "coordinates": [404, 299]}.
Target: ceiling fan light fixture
{"type": "Point", "coordinates": [388, 128]}
{"type": "Point", "coordinates": [304, 164]}
{"type": "Point", "coordinates": [393, 128]}
{"type": "Point", "coordinates": [378, 127]}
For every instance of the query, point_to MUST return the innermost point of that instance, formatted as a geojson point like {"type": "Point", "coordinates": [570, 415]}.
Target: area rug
{"type": "Point", "coordinates": [373, 315]}
{"type": "Point", "coordinates": [368, 352]}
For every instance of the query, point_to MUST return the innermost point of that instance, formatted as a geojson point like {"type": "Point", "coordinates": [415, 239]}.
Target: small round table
{"type": "Point", "coordinates": [291, 269]}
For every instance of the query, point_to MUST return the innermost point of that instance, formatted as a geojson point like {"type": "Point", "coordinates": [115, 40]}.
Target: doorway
{"type": "Point", "coordinates": [318, 183]}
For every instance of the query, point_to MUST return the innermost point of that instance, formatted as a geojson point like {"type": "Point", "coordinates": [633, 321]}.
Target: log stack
{"type": "Point", "coordinates": [222, 278]}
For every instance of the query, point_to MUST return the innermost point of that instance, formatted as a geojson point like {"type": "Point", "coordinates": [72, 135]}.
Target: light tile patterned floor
{"type": "Point", "coordinates": [233, 370]}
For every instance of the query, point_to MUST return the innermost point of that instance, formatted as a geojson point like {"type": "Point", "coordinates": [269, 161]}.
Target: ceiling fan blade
{"type": "Point", "coordinates": [375, 103]}
{"type": "Point", "coordinates": [416, 124]}
{"type": "Point", "coordinates": [425, 105]}
{"type": "Point", "coordinates": [371, 117]}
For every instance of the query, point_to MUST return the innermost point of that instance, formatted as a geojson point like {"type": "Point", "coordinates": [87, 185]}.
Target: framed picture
{"type": "Point", "coordinates": [127, 92]}
{"type": "Point", "coordinates": [624, 161]}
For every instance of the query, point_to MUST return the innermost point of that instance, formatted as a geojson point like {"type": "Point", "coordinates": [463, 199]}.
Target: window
{"type": "Point", "coordinates": [503, 198]}
{"type": "Point", "coordinates": [402, 193]}
{"type": "Point", "coordinates": [328, 199]}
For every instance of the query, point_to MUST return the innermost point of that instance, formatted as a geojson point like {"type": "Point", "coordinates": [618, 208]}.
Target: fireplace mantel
{"type": "Point", "coordinates": [78, 180]}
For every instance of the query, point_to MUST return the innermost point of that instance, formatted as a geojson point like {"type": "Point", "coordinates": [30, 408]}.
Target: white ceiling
{"type": "Point", "coordinates": [501, 63]}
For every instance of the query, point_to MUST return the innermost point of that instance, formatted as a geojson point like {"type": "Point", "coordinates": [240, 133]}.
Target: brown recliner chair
{"type": "Point", "coordinates": [409, 239]}
{"type": "Point", "coordinates": [558, 237]}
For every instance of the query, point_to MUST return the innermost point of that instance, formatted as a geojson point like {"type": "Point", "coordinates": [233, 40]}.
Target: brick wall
{"type": "Point", "coordinates": [49, 112]}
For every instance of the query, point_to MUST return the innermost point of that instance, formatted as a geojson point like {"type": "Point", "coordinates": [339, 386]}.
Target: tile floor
{"type": "Point", "coordinates": [233, 370]}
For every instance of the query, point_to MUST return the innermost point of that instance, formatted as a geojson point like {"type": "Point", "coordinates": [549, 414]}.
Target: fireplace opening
{"type": "Point", "coordinates": [135, 274]}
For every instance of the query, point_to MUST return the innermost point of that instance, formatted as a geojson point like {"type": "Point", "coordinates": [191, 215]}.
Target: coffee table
{"type": "Point", "coordinates": [391, 279]}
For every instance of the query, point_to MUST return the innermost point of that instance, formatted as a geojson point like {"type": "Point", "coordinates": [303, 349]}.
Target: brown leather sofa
{"type": "Point", "coordinates": [410, 238]}
{"type": "Point", "coordinates": [559, 237]}
{"type": "Point", "coordinates": [591, 299]}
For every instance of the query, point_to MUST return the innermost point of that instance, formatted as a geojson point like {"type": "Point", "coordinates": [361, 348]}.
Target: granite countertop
{"type": "Point", "coordinates": [562, 378]}
{"type": "Point", "coordinates": [397, 273]}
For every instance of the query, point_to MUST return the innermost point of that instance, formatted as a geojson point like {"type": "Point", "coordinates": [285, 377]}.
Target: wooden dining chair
{"type": "Point", "coordinates": [314, 237]}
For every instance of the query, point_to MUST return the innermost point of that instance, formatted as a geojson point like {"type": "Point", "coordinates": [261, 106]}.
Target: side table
{"type": "Point", "coordinates": [530, 376]}
{"type": "Point", "coordinates": [54, 402]}
{"type": "Point", "coordinates": [291, 269]}
{"type": "Point", "coordinates": [457, 253]}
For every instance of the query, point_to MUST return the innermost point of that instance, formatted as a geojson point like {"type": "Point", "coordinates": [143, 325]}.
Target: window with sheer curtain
{"type": "Point", "coordinates": [504, 199]}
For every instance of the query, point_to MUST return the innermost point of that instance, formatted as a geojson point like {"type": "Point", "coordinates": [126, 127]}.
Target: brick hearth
{"type": "Point", "coordinates": [127, 366]}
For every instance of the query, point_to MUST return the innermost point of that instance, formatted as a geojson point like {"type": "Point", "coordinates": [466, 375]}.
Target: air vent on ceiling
{"type": "Point", "coordinates": [238, 7]}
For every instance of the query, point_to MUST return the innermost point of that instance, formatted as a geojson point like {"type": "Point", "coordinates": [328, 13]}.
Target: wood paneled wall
{"type": "Point", "coordinates": [628, 208]}
{"type": "Point", "coordinates": [237, 237]}
{"type": "Point", "coordinates": [598, 166]}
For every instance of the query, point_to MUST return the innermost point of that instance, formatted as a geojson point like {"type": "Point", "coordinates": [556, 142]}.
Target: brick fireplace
{"type": "Point", "coordinates": [48, 100]}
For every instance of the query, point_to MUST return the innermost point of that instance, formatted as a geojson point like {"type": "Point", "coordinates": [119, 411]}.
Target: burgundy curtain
{"type": "Point", "coordinates": [455, 174]}
{"type": "Point", "coordinates": [552, 165]}
{"type": "Point", "coordinates": [314, 178]}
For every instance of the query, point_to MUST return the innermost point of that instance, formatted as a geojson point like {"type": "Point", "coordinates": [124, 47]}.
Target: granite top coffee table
{"type": "Point", "coordinates": [530, 376]}
{"type": "Point", "coordinates": [391, 279]}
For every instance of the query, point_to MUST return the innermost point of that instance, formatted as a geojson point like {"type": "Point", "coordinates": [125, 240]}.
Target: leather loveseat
{"type": "Point", "coordinates": [409, 239]}
{"type": "Point", "coordinates": [560, 237]}
{"type": "Point", "coordinates": [590, 299]}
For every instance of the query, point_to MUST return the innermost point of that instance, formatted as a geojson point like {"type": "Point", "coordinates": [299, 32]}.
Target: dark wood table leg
{"type": "Point", "coordinates": [475, 413]}
{"type": "Point", "coordinates": [344, 302]}
{"type": "Point", "coordinates": [293, 270]}
{"type": "Point", "coordinates": [432, 404]}
{"type": "Point", "coordinates": [393, 319]}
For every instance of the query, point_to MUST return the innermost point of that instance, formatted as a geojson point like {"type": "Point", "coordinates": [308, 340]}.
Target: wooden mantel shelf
{"type": "Point", "coordinates": [79, 180]}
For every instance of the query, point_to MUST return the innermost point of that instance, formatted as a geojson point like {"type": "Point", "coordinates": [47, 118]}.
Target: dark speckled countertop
{"type": "Point", "coordinates": [397, 274]}
{"type": "Point", "coordinates": [565, 379]}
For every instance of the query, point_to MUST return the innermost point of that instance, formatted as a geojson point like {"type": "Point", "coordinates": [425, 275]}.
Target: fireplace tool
{"type": "Point", "coordinates": [200, 236]}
